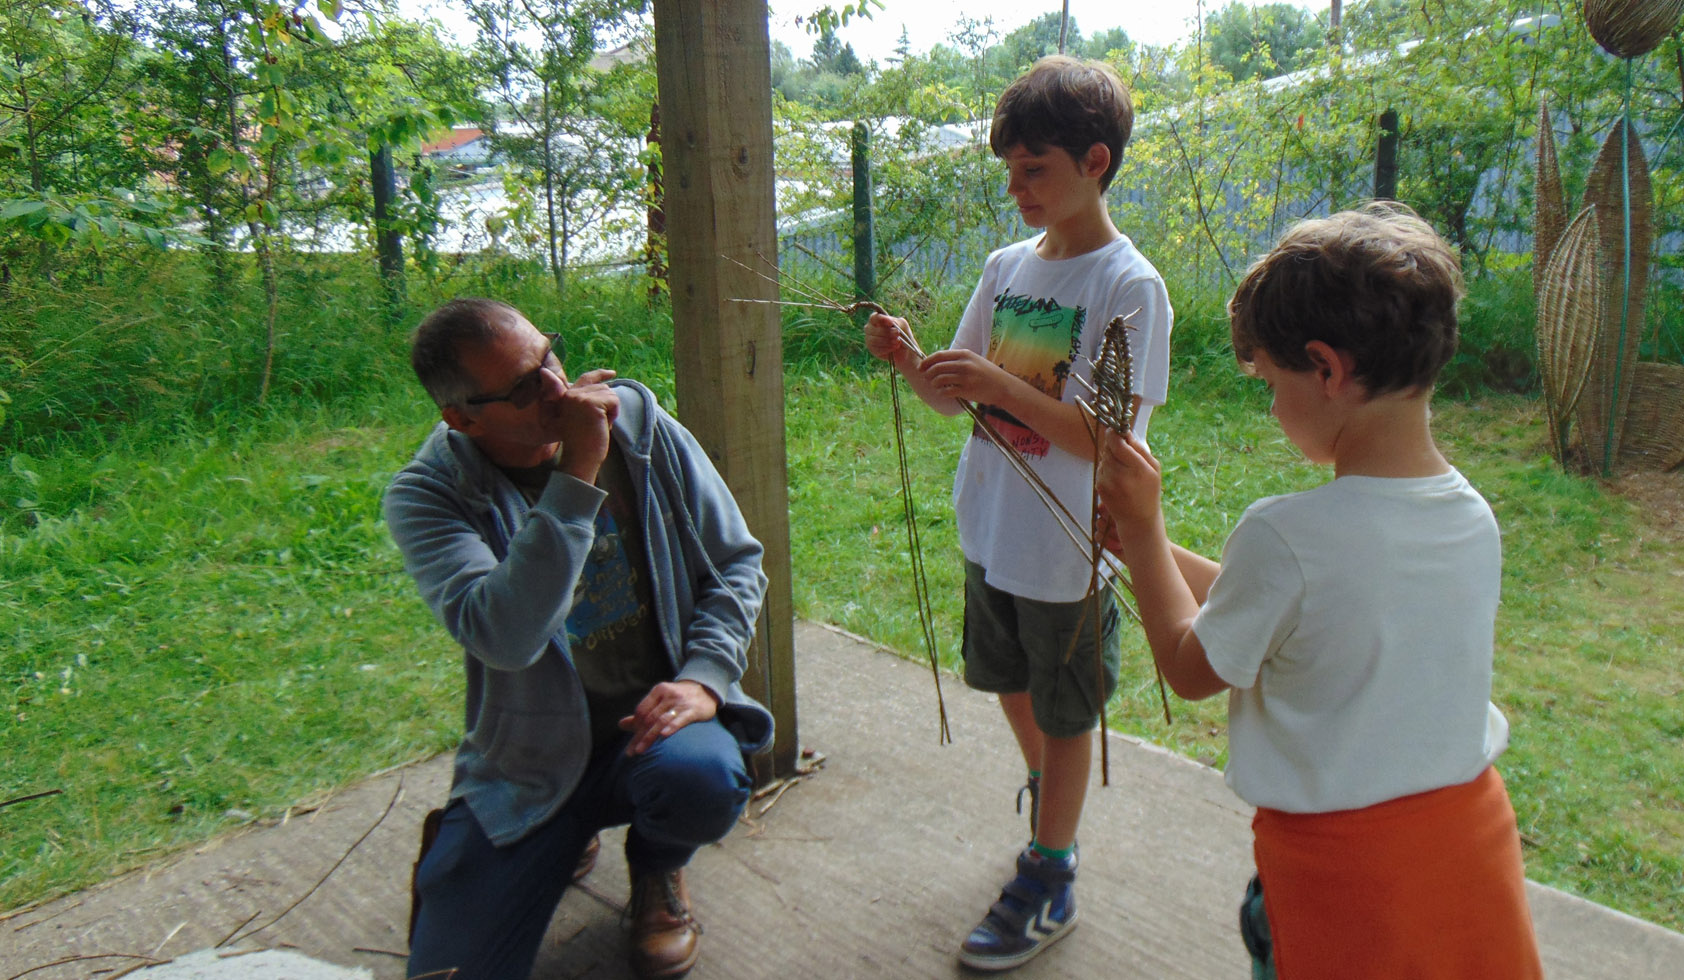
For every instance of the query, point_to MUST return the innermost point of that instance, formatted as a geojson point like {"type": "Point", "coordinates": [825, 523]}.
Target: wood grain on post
{"type": "Point", "coordinates": [714, 71]}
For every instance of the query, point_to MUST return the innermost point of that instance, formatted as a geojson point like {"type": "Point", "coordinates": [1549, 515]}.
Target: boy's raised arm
{"type": "Point", "coordinates": [1197, 570]}
{"type": "Point", "coordinates": [1165, 594]}
{"type": "Point", "coordinates": [885, 338]}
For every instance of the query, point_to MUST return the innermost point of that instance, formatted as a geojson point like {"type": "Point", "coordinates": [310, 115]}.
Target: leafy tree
{"type": "Point", "coordinates": [196, 85]}
{"type": "Point", "coordinates": [1262, 42]}
{"type": "Point", "coordinates": [832, 57]}
{"type": "Point", "coordinates": [903, 48]}
{"type": "Point", "coordinates": [1024, 46]}
{"type": "Point", "coordinates": [538, 55]}
{"type": "Point", "coordinates": [974, 40]}
{"type": "Point", "coordinates": [59, 59]}
{"type": "Point", "coordinates": [1101, 45]}
{"type": "Point", "coordinates": [1376, 25]}
{"type": "Point", "coordinates": [783, 64]}
{"type": "Point", "coordinates": [68, 171]}
{"type": "Point", "coordinates": [380, 89]}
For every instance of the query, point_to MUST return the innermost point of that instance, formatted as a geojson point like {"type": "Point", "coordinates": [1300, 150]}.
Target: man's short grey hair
{"type": "Point", "coordinates": [436, 348]}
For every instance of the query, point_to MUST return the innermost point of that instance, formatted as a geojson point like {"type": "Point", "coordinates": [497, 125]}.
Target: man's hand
{"type": "Point", "coordinates": [669, 706]}
{"type": "Point", "coordinates": [885, 336]}
{"type": "Point", "coordinates": [1130, 484]}
{"type": "Point", "coordinates": [966, 375]}
{"type": "Point", "coordinates": [582, 420]}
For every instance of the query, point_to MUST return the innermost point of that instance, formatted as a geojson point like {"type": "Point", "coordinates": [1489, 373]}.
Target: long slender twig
{"type": "Point", "coordinates": [915, 548]}
{"type": "Point", "coordinates": [84, 957]}
{"type": "Point", "coordinates": [236, 930]}
{"type": "Point", "coordinates": [1198, 200]}
{"type": "Point", "coordinates": [397, 795]}
{"type": "Point", "coordinates": [31, 796]}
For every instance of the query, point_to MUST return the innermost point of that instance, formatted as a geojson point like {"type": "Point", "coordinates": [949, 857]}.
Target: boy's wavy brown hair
{"type": "Point", "coordinates": [1377, 282]}
{"type": "Point", "coordinates": [1066, 103]}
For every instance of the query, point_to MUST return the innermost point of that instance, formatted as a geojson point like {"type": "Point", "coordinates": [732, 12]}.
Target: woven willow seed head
{"type": "Point", "coordinates": [1621, 163]}
{"type": "Point", "coordinates": [1631, 28]}
{"type": "Point", "coordinates": [1569, 319]}
{"type": "Point", "coordinates": [1549, 205]}
{"type": "Point", "coordinates": [1113, 378]}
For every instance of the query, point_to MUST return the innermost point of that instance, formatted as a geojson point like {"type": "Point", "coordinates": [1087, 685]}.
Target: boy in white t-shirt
{"type": "Point", "coordinates": [1036, 318]}
{"type": "Point", "coordinates": [1352, 625]}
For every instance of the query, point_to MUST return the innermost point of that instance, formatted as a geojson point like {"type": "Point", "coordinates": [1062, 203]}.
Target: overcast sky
{"type": "Point", "coordinates": [929, 22]}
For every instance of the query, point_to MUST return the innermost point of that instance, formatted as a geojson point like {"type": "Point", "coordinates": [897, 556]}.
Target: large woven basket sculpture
{"type": "Point", "coordinates": [1569, 292]}
{"type": "Point", "coordinates": [1602, 412]}
{"type": "Point", "coordinates": [1590, 277]}
{"type": "Point", "coordinates": [1549, 219]}
{"type": "Point", "coordinates": [1655, 421]}
{"type": "Point", "coordinates": [1631, 28]}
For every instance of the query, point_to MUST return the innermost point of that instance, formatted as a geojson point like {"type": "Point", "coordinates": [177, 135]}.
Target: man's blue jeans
{"type": "Point", "coordinates": [484, 909]}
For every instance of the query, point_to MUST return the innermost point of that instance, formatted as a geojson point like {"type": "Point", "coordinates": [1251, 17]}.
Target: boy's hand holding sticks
{"type": "Point", "coordinates": [1130, 489]}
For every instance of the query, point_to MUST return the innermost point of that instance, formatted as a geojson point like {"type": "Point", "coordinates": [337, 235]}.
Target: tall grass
{"type": "Point", "coordinates": [155, 346]}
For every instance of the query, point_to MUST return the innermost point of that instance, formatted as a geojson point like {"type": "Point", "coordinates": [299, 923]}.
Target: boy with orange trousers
{"type": "Point", "coordinates": [1351, 625]}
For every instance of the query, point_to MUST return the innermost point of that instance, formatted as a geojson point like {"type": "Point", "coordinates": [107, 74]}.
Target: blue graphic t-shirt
{"type": "Point", "coordinates": [611, 630]}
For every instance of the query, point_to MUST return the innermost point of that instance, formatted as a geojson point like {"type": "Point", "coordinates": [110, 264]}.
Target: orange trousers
{"type": "Point", "coordinates": [1423, 887]}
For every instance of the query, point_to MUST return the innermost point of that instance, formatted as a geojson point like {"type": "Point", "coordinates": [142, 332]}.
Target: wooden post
{"type": "Point", "coordinates": [865, 238]}
{"type": "Point", "coordinates": [713, 66]}
{"type": "Point", "coordinates": [1385, 158]}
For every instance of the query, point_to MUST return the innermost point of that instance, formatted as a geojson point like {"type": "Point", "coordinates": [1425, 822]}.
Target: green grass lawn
{"type": "Point", "coordinates": [203, 630]}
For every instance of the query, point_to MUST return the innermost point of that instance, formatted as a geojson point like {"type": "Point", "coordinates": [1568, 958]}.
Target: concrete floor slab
{"type": "Point", "coordinates": [874, 866]}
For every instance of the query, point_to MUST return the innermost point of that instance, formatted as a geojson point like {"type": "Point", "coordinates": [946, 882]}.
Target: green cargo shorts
{"type": "Point", "coordinates": [1013, 645]}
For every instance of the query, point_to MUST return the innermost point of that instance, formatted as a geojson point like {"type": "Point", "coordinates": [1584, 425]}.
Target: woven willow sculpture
{"type": "Point", "coordinates": [1569, 322]}
{"type": "Point", "coordinates": [1549, 219]}
{"type": "Point", "coordinates": [1655, 420]}
{"type": "Point", "coordinates": [1590, 278]}
{"type": "Point", "coordinates": [1631, 28]}
{"type": "Point", "coordinates": [1625, 276]}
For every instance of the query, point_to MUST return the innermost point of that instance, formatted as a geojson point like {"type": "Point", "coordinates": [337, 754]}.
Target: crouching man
{"type": "Point", "coordinates": [578, 543]}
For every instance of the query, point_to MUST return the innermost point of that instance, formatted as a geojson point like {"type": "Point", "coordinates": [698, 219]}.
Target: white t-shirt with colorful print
{"type": "Point", "coordinates": [1043, 320]}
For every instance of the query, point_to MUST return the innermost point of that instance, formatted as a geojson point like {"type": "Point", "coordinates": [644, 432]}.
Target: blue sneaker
{"type": "Point", "coordinates": [1035, 910]}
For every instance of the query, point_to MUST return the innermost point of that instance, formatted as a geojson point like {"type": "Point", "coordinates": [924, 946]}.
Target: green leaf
{"type": "Point", "coordinates": [20, 468]}
{"type": "Point", "coordinates": [218, 161]}
{"type": "Point", "coordinates": [18, 209]}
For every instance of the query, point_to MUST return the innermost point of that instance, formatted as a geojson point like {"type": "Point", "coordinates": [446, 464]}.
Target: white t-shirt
{"type": "Point", "coordinates": [1355, 622]}
{"type": "Point", "coordinates": [1042, 321]}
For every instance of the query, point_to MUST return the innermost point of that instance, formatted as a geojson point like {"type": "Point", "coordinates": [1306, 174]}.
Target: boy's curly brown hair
{"type": "Point", "coordinates": [1377, 282]}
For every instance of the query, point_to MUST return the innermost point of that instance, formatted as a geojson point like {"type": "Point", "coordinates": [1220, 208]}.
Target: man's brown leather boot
{"type": "Point", "coordinates": [664, 938]}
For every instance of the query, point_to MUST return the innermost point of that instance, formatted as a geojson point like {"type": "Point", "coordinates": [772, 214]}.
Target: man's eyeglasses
{"type": "Point", "coordinates": [526, 390]}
